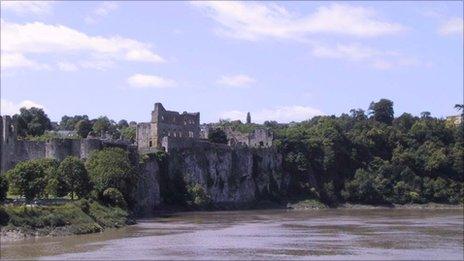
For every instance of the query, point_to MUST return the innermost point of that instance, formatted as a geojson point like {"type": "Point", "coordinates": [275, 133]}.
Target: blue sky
{"type": "Point", "coordinates": [284, 61]}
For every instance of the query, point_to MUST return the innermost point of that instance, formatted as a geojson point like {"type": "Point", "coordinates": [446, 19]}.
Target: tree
{"type": "Point", "coordinates": [29, 178]}
{"type": "Point", "coordinates": [128, 133]}
{"type": "Point", "coordinates": [382, 111]}
{"type": "Point", "coordinates": [122, 124]}
{"type": "Point", "coordinates": [248, 118]}
{"type": "Point", "coordinates": [101, 125]}
{"type": "Point", "coordinates": [70, 123]}
{"type": "Point", "coordinates": [358, 114]}
{"type": "Point", "coordinates": [32, 122]}
{"type": "Point", "coordinates": [75, 177]}
{"type": "Point", "coordinates": [83, 128]}
{"type": "Point", "coordinates": [217, 135]}
{"type": "Point", "coordinates": [425, 115]}
{"type": "Point", "coordinates": [3, 187]}
{"type": "Point", "coordinates": [460, 107]}
{"type": "Point", "coordinates": [111, 168]}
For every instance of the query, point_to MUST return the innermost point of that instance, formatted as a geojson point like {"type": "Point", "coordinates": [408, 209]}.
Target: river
{"type": "Point", "coordinates": [266, 235]}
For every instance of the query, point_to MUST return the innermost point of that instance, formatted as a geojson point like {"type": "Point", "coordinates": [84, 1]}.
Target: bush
{"type": "Point", "coordinates": [217, 136]}
{"type": "Point", "coordinates": [3, 187]}
{"type": "Point", "coordinates": [113, 197]}
{"type": "Point", "coordinates": [198, 195]}
{"type": "Point", "coordinates": [4, 217]}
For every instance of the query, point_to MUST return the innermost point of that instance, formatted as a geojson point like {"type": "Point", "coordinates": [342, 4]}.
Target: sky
{"type": "Point", "coordinates": [283, 61]}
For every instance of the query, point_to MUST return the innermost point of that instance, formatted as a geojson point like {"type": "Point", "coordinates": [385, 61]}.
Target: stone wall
{"type": "Point", "coordinates": [258, 138]}
{"type": "Point", "coordinates": [170, 144]}
{"type": "Point", "coordinates": [15, 151]}
{"type": "Point", "coordinates": [143, 135]}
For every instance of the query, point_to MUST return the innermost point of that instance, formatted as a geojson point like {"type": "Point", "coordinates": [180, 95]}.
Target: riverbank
{"type": "Point", "coordinates": [85, 217]}
{"type": "Point", "coordinates": [80, 217]}
{"type": "Point", "coordinates": [312, 204]}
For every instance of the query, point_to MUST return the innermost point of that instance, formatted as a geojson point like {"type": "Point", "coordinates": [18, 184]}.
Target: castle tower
{"type": "Point", "coordinates": [248, 118]}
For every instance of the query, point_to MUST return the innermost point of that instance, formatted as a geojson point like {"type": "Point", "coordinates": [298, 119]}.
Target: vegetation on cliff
{"type": "Point", "coordinates": [374, 158]}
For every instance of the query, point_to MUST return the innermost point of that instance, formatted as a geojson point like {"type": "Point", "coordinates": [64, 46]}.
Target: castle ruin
{"type": "Point", "coordinates": [166, 131]}
{"type": "Point", "coordinates": [164, 123]}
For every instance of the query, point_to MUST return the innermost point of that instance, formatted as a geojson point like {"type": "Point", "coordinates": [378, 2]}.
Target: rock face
{"type": "Point", "coordinates": [147, 191]}
{"type": "Point", "coordinates": [227, 176]}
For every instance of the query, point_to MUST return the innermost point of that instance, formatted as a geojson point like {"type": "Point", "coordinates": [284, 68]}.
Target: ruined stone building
{"type": "Point", "coordinates": [164, 123]}
{"type": "Point", "coordinates": [258, 138]}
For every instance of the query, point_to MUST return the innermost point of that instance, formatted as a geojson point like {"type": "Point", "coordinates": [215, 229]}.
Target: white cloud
{"type": "Point", "coordinates": [27, 7]}
{"type": "Point", "coordinates": [358, 53]}
{"type": "Point", "coordinates": [150, 81]}
{"type": "Point", "coordinates": [252, 21]}
{"type": "Point", "coordinates": [279, 114]}
{"type": "Point", "coordinates": [452, 26]}
{"type": "Point", "coordinates": [239, 80]}
{"type": "Point", "coordinates": [17, 60]}
{"type": "Point", "coordinates": [10, 108]}
{"type": "Point", "coordinates": [103, 9]}
{"type": "Point", "coordinates": [143, 56]}
{"type": "Point", "coordinates": [40, 38]}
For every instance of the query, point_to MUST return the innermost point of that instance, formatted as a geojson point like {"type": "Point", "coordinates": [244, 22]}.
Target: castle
{"type": "Point", "coordinates": [149, 135]}
{"type": "Point", "coordinates": [166, 131]}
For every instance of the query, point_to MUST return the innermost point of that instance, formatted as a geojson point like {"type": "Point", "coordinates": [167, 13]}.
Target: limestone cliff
{"type": "Point", "coordinates": [147, 192]}
{"type": "Point", "coordinates": [225, 176]}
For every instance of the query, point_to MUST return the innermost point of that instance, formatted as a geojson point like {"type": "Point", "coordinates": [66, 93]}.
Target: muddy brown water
{"type": "Point", "coordinates": [265, 235]}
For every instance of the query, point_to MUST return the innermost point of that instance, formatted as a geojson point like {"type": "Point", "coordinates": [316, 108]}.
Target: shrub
{"type": "Point", "coordinates": [113, 197]}
{"type": "Point", "coordinates": [198, 195]}
{"type": "Point", "coordinates": [4, 217]}
{"type": "Point", "coordinates": [217, 136]}
{"type": "Point", "coordinates": [3, 187]}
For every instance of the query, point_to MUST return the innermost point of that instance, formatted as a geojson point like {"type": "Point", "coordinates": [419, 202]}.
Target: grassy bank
{"type": "Point", "coordinates": [308, 204]}
{"type": "Point", "coordinates": [80, 217]}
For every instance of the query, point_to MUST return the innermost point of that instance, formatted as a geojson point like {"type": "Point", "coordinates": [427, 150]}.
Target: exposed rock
{"type": "Point", "coordinates": [147, 191]}
{"type": "Point", "coordinates": [228, 176]}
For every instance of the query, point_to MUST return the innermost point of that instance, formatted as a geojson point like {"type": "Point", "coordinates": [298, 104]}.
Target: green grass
{"type": "Point", "coordinates": [309, 204]}
{"type": "Point", "coordinates": [78, 217]}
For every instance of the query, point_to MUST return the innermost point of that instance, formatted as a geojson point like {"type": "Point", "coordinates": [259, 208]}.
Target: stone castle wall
{"type": "Point", "coordinates": [13, 151]}
{"type": "Point", "coordinates": [258, 138]}
{"type": "Point", "coordinates": [175, 144]}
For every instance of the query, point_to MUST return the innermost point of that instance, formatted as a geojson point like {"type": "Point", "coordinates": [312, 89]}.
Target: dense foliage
{"type": "Point", "coordinates": [30, 178]}
{"type": "Point", "coordinates": [31, 122]}
{"type": "Point", "coordinates": [217, 135]}
{"type": "Point", "coordinates": [107, 176]}
{"type": "Point", "coordinates": [376, 159]}
{"type": "Point", "coordinates": [111, 168]}
{"type": "Point", "coordinates": [3, 187]}
{"type": "Point", "coordinates": [73, 174]}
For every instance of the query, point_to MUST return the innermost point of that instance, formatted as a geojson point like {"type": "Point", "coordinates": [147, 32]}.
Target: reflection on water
{"type": "Point", "coordinates": [265, 234]}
